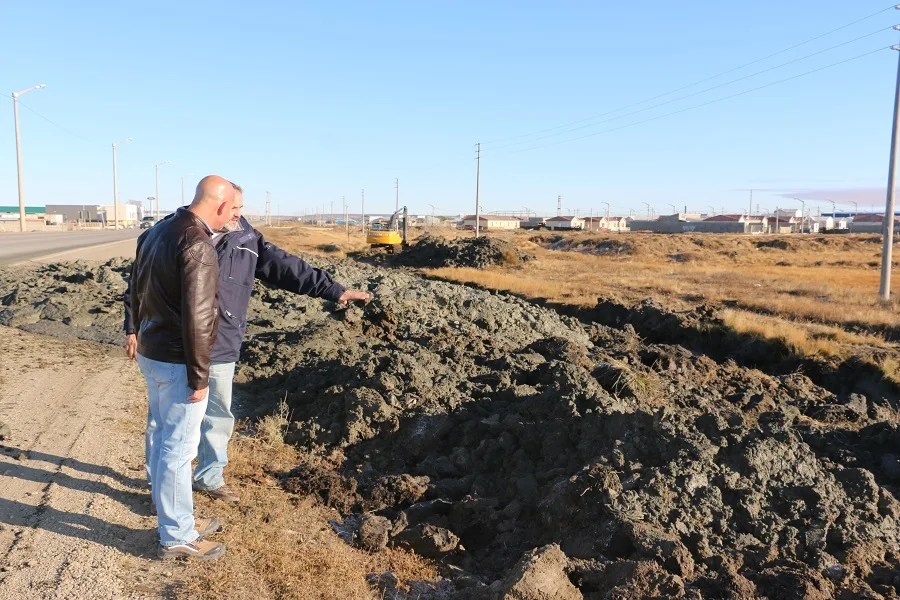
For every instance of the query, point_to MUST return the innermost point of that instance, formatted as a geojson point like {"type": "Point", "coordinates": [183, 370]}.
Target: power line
{"type": "Point", "coordinates": [696, 83]}
{"type": "Point", "coordinates": [691, 95]}
{"type": "Point", "coordinates": [56, 124]}
{"type": "Point", "coordinates": [696, 106]}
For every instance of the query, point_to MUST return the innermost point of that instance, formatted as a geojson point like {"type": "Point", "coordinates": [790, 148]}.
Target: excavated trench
{"type": "Point", "coordinates": [522, 447]}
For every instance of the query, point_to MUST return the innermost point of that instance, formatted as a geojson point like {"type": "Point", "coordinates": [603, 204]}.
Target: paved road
{"type": "Point", "coordinates": [19, 247]}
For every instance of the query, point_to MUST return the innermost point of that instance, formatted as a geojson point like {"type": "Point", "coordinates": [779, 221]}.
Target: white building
{"type": "Point", "coordinates": [565, 222]}
{"type": "Point", "coordinates": [488, 222]}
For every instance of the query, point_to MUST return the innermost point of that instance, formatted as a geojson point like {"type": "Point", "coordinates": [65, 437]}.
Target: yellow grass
{"type": "Point", "coordinates": [817, 280]}
{"type": "Point", "coordinates": [281, 546]}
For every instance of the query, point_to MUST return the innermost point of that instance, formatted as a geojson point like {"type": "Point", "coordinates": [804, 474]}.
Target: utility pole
{"type": "Point", "coordinates": [268, 208]}
{"type": "Point", "coordinates": [432, 214]}
{"type": "Point", "coordinates": [647, 204]}
{"type": "Point", "coordinates": [364, 211]}
{"type": "Point", "coordinates": [802, 215]}
{"type": "Point", "coordinates": [674, 209]}
{"type": "Point", "coordinates": [776, 219]}
{"type": "Point", "coordinates": [888, 221]}
{"type": "Point", "coordinates": [713, 209]}
{"type": "Point", "coordinates": [158, 165]}
{"type": "Point", "coordinates": [559, 206]}
{"type": "Point", "coordinates": [477, 188]}
{"type": "Point", "coordinates": [397, 189]}
{"type": "Point", "coordinates": [116, 183]}
{"type": "Point", "coordinates": [15, 97]}
{"type": "Point", "coordinates": [750, 208]}
{"type": "Point", "coordinates": [607, 210]}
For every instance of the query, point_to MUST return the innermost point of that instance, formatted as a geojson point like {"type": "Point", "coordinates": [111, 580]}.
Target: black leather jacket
{"type": "Point", "coordinates": [174, 299]}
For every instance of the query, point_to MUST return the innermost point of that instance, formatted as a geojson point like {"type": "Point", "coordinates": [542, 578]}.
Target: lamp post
{"type": "Point", "coordinates": [15, 97]}
{"type": "Point", "coordinates": [158, 165]}
{"type": "Point", "coordinates": [116, 183]}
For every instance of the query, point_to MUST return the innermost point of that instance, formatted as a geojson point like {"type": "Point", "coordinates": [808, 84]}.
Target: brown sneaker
{"type": "Point", "coordinates": [199, 549]}
{"type": "Point", "coordinates": [208, 526]}
{"type": "Point", "coordinates": [224, 493]}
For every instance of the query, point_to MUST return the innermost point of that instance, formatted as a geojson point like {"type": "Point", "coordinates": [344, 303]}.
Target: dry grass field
{"type": "Point", "coordinates": [281, 546]}
{"type": "Point", "coordinates": [817, 294]}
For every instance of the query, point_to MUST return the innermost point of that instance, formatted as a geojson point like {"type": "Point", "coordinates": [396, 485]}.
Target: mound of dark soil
{"type": "Point", "coordinates": [435, 251]}
{"type": "Point", "coordinates": [599, 247]}
{"type": "Point", "coordinates": [777, 244]}
{"type": "Point", "coordinates": [534, 454]}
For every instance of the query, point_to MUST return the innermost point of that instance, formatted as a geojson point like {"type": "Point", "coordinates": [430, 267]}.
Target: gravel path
{"type": "Point", "coordinates": [73, 508]}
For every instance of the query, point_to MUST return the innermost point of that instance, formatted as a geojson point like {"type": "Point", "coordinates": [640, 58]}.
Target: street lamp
{"type": "Point", "coordinates": [15, 97]}
{"type": "Point", "coordinates": [158, 165]}
{"type": "Point", "coordinates": [116, 183]}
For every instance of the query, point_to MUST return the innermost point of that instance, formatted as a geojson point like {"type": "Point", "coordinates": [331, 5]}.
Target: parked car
{"type": "Point", "coordinates": [148, 222]}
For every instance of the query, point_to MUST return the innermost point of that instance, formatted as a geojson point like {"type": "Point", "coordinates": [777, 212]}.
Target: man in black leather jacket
{"type": "Point", "coordinates": [174, 306]}
{"type": "Point", "coordinates": [244, 256]}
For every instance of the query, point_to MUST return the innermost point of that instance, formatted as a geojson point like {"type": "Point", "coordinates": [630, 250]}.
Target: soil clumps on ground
{"type": "Point", "coordinates": [432, 251]}
{"type": "Point", "coordinates": [535, 455]}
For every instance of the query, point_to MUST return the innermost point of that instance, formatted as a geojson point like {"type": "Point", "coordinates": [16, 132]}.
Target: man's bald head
{"type": "Point", "coordinates": [214, 201]}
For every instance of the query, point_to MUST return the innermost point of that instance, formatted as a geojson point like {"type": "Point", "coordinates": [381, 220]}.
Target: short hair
{"type": "Point", "coordinates": [236, 187]}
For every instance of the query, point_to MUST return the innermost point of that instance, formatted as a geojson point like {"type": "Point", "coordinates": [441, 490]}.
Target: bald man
{"type": "Point", "coordinates": [174, 306]}
{"type": "Point", "coordinates": [244, 255]}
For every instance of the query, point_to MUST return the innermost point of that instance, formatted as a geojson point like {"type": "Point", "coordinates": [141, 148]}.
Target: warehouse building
{"type": "Point", "coordinates": [491, 222]}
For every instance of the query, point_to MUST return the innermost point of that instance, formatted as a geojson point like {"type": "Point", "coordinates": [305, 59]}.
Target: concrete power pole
{"type": "Point", "coordinates": [268, 208]}
{"type": "Point", "coordinates": [559, 206]}
{"type": "Point", "coordinates": [887, 251]}
{"type": "Point", "coordinates": [397, 189]}
{"type": "Point", "coordinates": [477, 188]}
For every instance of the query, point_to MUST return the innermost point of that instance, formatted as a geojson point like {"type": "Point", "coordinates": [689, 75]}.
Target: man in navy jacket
{"type": "Point", "coordinates": [244, 256]}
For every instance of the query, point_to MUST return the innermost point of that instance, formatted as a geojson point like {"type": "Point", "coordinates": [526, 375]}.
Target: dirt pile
{"type": "Point", "coordinates": [435, 251]}
{"type": "Point", "coordinates": [600, 247]}
{"type": "Point", "coordinates": [482, 429]}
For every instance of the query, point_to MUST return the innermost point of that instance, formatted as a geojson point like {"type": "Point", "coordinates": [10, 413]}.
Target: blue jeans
{"type": "Point", "coordinates": [173, 446]}
{"type": "Point", "coordinates": [215, 430]}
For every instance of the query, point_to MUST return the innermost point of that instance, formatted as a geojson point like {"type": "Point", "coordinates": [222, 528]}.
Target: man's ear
{"type": "Point", "coordinates": [222, 209]}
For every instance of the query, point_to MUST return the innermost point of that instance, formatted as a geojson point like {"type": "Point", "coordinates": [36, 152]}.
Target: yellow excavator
{"type": "Point", "coordinates": [390, 235]}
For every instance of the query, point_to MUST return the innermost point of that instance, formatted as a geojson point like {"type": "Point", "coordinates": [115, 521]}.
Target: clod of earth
{"type": "Point", "coordinates": [482, 429]}
{"type": "Point", "coordinates": [435, 251]}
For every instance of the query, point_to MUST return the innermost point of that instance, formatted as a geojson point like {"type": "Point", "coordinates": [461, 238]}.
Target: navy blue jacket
{"type": "Point", "coordinates": [244, 255]}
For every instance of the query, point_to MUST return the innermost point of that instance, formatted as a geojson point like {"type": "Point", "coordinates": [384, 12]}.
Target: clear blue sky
{"type": "Point", "coordinates": [315, 101]}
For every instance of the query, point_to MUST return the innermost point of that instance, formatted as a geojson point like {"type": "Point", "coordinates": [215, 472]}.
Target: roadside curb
{"type": "Point", "coordinates": [57, 255]}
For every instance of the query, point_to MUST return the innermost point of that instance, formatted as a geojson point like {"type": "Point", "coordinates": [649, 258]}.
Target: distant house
{"type": "Point", "coordinates": [610, 224]}
{"type": "Point", "coordinates": [819, 224]}
{"type": "Point", "coordinates": [677, 223]}
{"type": "Point", "coordinates": [533, 223]}
{"type": "Point", "coordinates": [555, 223]}
{"type": "Point", "coordinates": [734, 224]}
{"type": "Point", "coordinates": [489, 222]}
{"type": "Point", "coordinates": [871, 223]}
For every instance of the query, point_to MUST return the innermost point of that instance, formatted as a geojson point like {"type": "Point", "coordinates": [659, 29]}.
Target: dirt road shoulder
{"type": "Point", "coordinates": [74, 510]}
